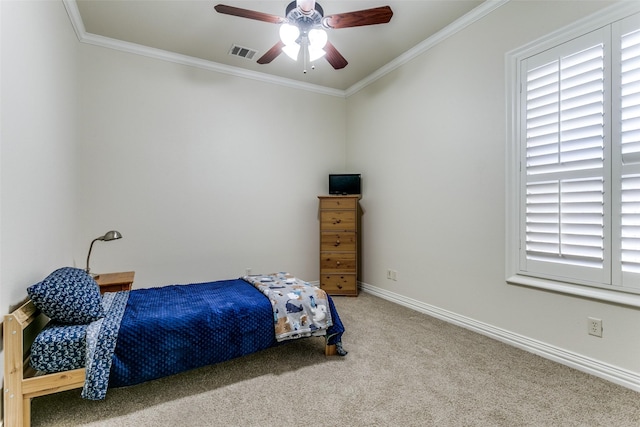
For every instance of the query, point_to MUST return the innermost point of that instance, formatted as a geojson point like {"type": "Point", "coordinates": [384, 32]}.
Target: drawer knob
{"type": "Point", "coordinates": [337, 262]}
{"type": "Point", "coordinates": [339, 286]}
{"type": "Point", "coordinates": [337, 221]}
{"type": "Point", "coordinates": [337, 243]}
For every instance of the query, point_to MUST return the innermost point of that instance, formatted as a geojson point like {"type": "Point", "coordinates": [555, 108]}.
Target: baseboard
{"type": "Point", "coordinates": [594, 367]}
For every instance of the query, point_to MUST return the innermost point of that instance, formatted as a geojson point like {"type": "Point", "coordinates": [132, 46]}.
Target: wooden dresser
{"type": "Point", "coordinates": [339, 244]}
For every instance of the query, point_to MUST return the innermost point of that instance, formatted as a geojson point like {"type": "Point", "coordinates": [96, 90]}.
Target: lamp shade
{"type": "Point", "coordinates": [111, 235]}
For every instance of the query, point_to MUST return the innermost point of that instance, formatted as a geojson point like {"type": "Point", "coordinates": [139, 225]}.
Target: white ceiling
{"type": "Point", "coordinates": [193, 29]}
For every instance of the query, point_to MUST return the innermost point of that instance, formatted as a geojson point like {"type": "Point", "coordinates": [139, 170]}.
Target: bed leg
{"type": "Point", "coordinates": [14, 411]}
{"type": "Point", "coordinates": [26, 412]}
{"type": "Point", "coordinates": [330, 350]}
{"type": "Point", "coordinates": [13, 369]}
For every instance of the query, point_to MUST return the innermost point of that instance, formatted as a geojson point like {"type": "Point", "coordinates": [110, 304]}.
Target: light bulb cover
{"type": "Point", "coordinates": [317, 38]}
{"type": "Point", "coordinates": [289, 34]}
{"type": "Point", "coordinates": [292, 51]}
{"type": "Point", "coordinates": [315, 53]}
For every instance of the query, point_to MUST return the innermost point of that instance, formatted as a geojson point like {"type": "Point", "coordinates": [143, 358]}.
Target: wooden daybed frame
{"type": "Point", "coordinates": [21, 383]}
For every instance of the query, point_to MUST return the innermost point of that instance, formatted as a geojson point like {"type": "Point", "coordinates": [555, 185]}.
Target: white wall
{"type": "Point", "coordinates": [430, 141]}
{"type": "Point", "coordinates": [204, 174]}
{"type": "Point", "coordinates": [38, 142]}
{"type": "Point", "coordinates": [37, 145]}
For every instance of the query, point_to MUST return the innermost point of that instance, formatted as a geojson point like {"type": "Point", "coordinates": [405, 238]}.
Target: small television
{"type": "Point", "coordinates": [345, 183]}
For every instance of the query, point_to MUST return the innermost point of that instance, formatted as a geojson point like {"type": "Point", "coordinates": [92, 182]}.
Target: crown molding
{"type": "Point", "coordinates": [163, 55]}
{"type": "Point", "coordinates": [191, 61]}
{"type": "Point", "coordinates": [458, 25]}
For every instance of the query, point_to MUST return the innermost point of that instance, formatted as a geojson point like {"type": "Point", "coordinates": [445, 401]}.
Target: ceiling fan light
{"type": "Point", "coordinates": [315, 53]}
{"type": "Point", "coordinates": [289, 34]}
{"type": "Point", "coordinates": [292, 50]}
{"type": "Point", "coordinates": [317, 38]}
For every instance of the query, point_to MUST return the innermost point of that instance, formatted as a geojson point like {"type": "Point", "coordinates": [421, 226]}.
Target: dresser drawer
{"type": "Point", "coordinates": [338, 241]}
{"type": "Point", "coordinates": [337, 220]}
{"type": "Point", "coordinates": [339, 203]}
{"type": "Point", "coordinates": [338, 262]}
{"type": "Point", "coordinates": [337, 284]}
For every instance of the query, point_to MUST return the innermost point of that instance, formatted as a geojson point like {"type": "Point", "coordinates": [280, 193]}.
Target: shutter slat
{"type": "Point", "coordinates": [630, 223]}
{"type": "Point", "coordinates": [630, 101]}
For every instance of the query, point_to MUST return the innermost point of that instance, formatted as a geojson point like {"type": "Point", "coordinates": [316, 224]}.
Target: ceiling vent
{"type": "Point", "coordinates": [242, 52]}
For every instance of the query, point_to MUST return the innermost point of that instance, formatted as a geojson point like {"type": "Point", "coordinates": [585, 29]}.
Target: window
{"type": "Point", "coordinates": [574, 158]}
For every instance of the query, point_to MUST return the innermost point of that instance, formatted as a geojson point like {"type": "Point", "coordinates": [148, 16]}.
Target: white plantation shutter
{"type": "Point", "coordinates": [574, 201]}
{"type": "Point", "coordinates": [563, 168]}
{"type": "Point", "coordinates": [628, 117]}
{"type": "Point", "coordinates": [630, 97]}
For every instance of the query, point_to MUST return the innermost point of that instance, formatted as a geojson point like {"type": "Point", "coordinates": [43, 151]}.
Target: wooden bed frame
{"type": "Point", "coordinates": [21, 383]}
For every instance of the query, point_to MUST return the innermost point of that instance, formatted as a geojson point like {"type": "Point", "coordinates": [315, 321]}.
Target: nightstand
{"type": "Point", "coordinates": [114, 282]}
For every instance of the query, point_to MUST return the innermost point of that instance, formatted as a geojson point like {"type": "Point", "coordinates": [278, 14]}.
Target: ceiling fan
{"type": "Point", "coordinates": [303, 29]}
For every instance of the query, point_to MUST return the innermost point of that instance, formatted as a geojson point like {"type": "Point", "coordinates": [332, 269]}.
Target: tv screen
{"type": "Point", "coordinates": [346, 183]}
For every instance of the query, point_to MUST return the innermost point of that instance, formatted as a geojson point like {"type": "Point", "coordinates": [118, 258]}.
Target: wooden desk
{"type": "Point", "coordinates": [114, 282]}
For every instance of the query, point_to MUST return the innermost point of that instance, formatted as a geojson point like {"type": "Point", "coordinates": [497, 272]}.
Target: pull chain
{"type": "Point", "coordinates": [304, 53]}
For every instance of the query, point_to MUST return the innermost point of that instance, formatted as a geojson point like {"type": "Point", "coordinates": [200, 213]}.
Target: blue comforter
{"type": "Point", "coordinates": [172, 329]}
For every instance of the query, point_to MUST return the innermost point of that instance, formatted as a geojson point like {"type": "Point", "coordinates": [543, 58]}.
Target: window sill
{"type": "Point", "coordinates": [599, 294]}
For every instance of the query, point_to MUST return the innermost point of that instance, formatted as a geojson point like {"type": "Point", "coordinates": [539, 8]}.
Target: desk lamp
{"type": "Point", "coordinates": [111, 235]}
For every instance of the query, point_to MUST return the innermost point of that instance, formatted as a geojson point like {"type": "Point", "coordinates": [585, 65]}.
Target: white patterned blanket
{"type": "Point", "coordinates": [102, 336]}
{"type": "Point", "coordinates": [299, 309]}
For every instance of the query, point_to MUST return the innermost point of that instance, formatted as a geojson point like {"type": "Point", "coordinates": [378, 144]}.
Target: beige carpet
{"type": "Point", "coordinates": [403, 369]}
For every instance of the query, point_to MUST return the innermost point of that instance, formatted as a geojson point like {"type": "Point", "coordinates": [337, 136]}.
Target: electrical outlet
{"type": "Point", "coordinates": [594, 326]}
{"type": "Point", "coordinates": [392, 274]}
{"type": "Point", "coordinates": [389, 274]}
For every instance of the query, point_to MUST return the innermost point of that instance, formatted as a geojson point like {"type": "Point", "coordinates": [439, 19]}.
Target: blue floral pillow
{"type": "Point", "coordinates": [68, 295]}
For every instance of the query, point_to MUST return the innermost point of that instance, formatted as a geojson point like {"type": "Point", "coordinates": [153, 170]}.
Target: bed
{"type": "Point", "coordinates": [96, 342]}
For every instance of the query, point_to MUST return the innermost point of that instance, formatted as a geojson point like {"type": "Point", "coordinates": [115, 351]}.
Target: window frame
{"type": "Point", "coordinates": [513, 220]}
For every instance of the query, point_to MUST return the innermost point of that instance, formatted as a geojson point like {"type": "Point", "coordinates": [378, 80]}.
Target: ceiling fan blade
{"type": "Point", "coordinates": [251, 14]}
{"type": "Point", "coordinates": [378, 15]}
{"type": "Point", "coordinates": [272, 53]}
{"type": "Point", "coordinates": [334, 57]}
